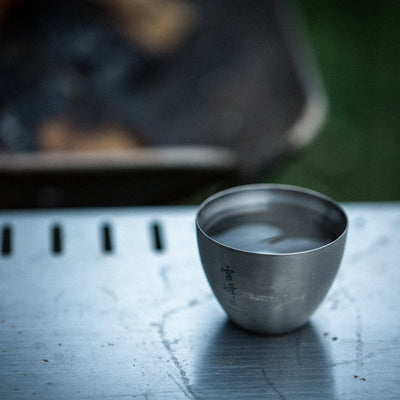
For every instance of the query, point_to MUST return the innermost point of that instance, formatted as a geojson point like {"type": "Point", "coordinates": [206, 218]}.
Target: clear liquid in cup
{"type": "Point", "coordinates": [262, 232]}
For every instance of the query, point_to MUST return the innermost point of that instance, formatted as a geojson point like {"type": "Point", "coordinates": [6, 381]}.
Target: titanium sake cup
{"type": "Point", "coordinates": [270, 253]}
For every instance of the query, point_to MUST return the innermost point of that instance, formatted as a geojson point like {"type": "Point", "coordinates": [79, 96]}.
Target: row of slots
{"type": "Point", "coordinates": [107, 244]}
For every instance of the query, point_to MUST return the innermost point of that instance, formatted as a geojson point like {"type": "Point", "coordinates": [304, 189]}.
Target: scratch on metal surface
{"type": "Point", "coordinates": [163, 272]}
{"type": "Point", "coordinates": [187, 395]}
{"type": "Point", "coordinates": [352, 361]}
{"type": "Point", "coordinates": [336, 297]}
{"type": "Point", "coordinates": [110, 293]}
{"type": "Point", "coordinates": [272, 386]}
{"type": "Point", "coordinates": [298, 343]}
{"type": "Point", "coordinates": [359, 343]}
{"type": "Point", "coordinates": [369, 249]}
{"type": "Point", "coordinates": [187, 390]}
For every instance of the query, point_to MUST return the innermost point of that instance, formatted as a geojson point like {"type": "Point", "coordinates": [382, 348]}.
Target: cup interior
{"type": "Point", "coordinates": [271, 219]}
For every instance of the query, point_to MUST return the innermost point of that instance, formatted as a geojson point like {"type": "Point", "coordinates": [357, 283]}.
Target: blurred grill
{"type": "Point", "coordinates": [91, 100]}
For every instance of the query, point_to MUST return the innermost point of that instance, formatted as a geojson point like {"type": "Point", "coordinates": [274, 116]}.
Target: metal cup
{"type": "Point", "coordinates": [270, 253]}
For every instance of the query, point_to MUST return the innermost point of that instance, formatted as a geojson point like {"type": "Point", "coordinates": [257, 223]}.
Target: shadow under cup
{"type": "Point", "coordinates": [270, 253]}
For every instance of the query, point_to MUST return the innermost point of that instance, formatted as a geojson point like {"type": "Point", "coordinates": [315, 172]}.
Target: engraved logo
{"type": "Point", "coordinates": [229, 285]}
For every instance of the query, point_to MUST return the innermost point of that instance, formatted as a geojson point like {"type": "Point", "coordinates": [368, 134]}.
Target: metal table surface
{"type": "Point", "coordinates": [113, 304]}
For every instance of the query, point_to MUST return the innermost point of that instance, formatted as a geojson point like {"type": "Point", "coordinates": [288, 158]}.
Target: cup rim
{"type": "Point", "coordinates": [271, 186]}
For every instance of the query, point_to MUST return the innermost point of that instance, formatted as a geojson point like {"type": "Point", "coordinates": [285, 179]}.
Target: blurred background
{"type": "Point", "coordinates": [356, 154]}
{"type": "Point", "coordinates": [142, 102]}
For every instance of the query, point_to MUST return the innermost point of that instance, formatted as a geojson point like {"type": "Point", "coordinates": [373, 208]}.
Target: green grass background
{"type": "Point", "coordinates": [356, 155]}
